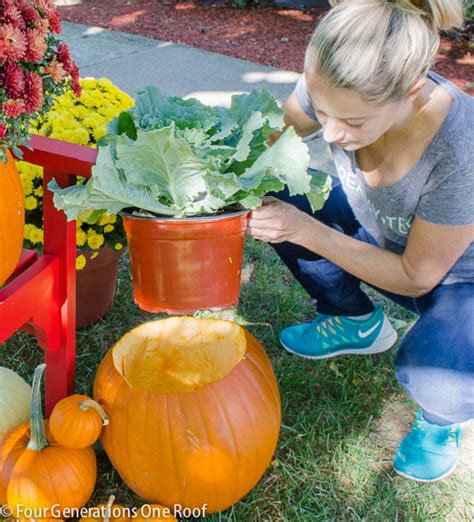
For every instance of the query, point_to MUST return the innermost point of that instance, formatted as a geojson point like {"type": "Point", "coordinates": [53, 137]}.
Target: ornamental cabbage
{"type": "Point", "coordinates": [177, 158]}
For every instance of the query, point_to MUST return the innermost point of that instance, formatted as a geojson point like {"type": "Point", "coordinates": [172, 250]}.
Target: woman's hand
{"type": "Point", "coordinates": [277, 221]}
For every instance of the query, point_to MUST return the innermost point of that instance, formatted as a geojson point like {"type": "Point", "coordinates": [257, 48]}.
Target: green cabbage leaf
{"type": "Point", "coordinates": [177, 158]}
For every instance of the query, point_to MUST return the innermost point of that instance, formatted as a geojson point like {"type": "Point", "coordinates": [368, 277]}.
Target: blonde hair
{"type": "Point", "coordinates": [380, 48]}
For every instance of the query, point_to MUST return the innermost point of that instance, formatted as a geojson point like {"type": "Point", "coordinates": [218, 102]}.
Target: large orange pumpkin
{"type": "Point", "coordinates": [194, 411]}
{"type": "Point", "coordinates": [12, 218]}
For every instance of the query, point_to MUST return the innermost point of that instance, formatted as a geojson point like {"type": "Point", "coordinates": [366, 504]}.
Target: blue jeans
{"type": "Point", "coordinates": [435, 361]}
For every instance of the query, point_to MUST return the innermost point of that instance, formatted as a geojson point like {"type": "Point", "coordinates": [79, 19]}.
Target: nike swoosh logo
{"type": "Point", "coordinates": [363, 335]}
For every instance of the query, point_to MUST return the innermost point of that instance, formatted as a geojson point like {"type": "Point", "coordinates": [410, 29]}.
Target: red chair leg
{"type": "Point", "coordinates": [59, 374]}
{"type": "Point", "coordinates": [60, 240]}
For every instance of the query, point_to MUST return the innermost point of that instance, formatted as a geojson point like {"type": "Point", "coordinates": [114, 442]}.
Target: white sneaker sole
{"type": "Point", "coordinates": [384, 341]}
{"type": "Point", "coordinates": [416, 479]}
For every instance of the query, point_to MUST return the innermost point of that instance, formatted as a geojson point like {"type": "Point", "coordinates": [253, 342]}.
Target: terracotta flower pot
{"type": "Point", "coordinates": [12, 218]}
{"type": "Point", "coordinates": [180, 266]}
{"type": "Point", "coordinates": [96, 283]}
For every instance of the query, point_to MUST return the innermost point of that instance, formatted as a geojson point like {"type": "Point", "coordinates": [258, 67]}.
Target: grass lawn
{"type": "Point", "coordinates": [342, 418]}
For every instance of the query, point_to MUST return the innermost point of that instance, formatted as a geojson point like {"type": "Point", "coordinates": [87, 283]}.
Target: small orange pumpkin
{"type": "Point", "coordinates": [39, 474]}
{"type": "Point", "coordinates": [12, 218]}
{"type": "Point", "coordinates": [76, 421]}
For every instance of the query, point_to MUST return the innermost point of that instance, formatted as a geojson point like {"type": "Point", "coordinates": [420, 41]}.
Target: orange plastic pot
{"type": "Point", "coordinates": [180, 266]}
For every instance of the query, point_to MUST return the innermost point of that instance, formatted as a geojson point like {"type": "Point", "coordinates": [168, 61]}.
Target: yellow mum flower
{"type": "Point", "coordinates": [36, 235]}
{"type": "Point", "coordinates": [91, 121]}
{"type": "Point", "coordinates": [57, 135]}
{"type": "Point", "coordinates": [27, 231]}
{"type": "Point", "coordinates": [79, 136]}
{"type": "Point", "coordinates": [78, 120]}
{"type": "Point", "coordinates": [80, 112]}
{"type": "Point", "coordinates": [107, 219]}
{"type": "Point", "coordinates": [88, 83]}
{"type": "Point", "coordinates": [81, 237]}
{"type": "Point", "coordinates": [111, 113]}
{"type": "Point", "coordinates": [80, 262]}
{"type": "Point", "coordinates": [98, 133]}
{"type": "Point", "coordinates": [94, 240]}
{"type": "Point", "coordinates": [64, 102]}
{"type": "Point", "coordinates": [105, 83]}
{"type": "Point", "coordinates": [31, 203]}
{"type": "Point", "coordinates": [27, 183]}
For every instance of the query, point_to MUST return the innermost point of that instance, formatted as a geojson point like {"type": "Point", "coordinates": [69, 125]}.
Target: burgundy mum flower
{"type": "Point", "coordinates": [43, 4]}
{"type": "Point", "coordinates": [36, 45]}
{"type": "Point", "coordinates": [75, 81]}
{"type": "Point", "coordinates": [30, 53]}
{"type": "Point", "coordinates": [30, 14]}
{"type": "Point", "coordinates": [13, 108]}
{"type": "Point", "coordinates": [64, 56]}
{"type": "Point", "coordinates": [54, 21]}
{"type": "Point", "coordinates": [12, 44]}
{"type": "Point", "coordinates": [13, 79]}
{"type": "Point", "coordinates": [33, 94]}
{"type": "Point", "coordinates": [13, 16]}
{"type": "Point", "coordinates": [5, 4]}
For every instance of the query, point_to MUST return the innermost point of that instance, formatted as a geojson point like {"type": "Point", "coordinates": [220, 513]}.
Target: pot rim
{"type": "Point", "coordinates": [193, 219]}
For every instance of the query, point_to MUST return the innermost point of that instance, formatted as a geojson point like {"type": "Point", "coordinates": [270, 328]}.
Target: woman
{"type": "Point", "coordinates": [399, 217]}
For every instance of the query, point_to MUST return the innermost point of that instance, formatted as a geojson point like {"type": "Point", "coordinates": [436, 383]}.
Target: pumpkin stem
{"type": "Point", "coordinates": [108, 513]}
{"type": "Point", "coordinates": [37, 434]}
{"type": "Point", "coordinates": [85, 405]}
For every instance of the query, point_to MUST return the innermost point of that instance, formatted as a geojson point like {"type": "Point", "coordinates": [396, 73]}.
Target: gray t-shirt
{"type": "Point", "coordinates": [438, 189]}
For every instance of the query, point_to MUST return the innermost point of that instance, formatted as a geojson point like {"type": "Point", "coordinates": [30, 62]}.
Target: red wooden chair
{"type": "Point", "coordinates": [40, 297]}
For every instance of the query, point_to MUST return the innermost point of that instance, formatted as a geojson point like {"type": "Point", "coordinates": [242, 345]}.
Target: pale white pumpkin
{"type": "Point", "coordinates": [15, 395]}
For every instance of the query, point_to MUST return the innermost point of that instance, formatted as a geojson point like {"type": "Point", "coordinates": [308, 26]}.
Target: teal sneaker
{"type": "Point", "coordinates": [329, 336]}
{"type": "Point", "coordinates": [429, 452]}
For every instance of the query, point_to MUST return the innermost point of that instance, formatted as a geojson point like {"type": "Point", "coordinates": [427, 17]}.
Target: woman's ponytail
{"type": "Point", "coordinates": [444, 14]}
{"type": "Point", "coordinates": [380, 48]}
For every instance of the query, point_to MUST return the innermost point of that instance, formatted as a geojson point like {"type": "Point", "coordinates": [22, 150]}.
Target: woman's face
{"type": "Point", "coordinates": [347, 119]}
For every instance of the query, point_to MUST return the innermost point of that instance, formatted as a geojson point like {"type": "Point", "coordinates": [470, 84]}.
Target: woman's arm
{"type": "Point", "coordinates": [430, 252]}
{"type": "Point", "coordinates": [294, 115]}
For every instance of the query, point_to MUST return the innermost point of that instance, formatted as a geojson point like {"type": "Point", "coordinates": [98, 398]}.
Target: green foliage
{"type": "Point", "coordinates": [178, 157]}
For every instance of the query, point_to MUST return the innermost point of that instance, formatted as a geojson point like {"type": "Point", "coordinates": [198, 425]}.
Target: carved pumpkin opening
{"type": "Point", "coordinates": [179, 354]}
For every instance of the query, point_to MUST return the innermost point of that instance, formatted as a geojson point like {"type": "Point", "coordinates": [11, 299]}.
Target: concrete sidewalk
{"type": "Point", "coordinates": [132, 61]}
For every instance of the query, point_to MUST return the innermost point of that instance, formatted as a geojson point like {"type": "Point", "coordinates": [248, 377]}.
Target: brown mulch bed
{"type": "Point", "coordinates": [264, 35]}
